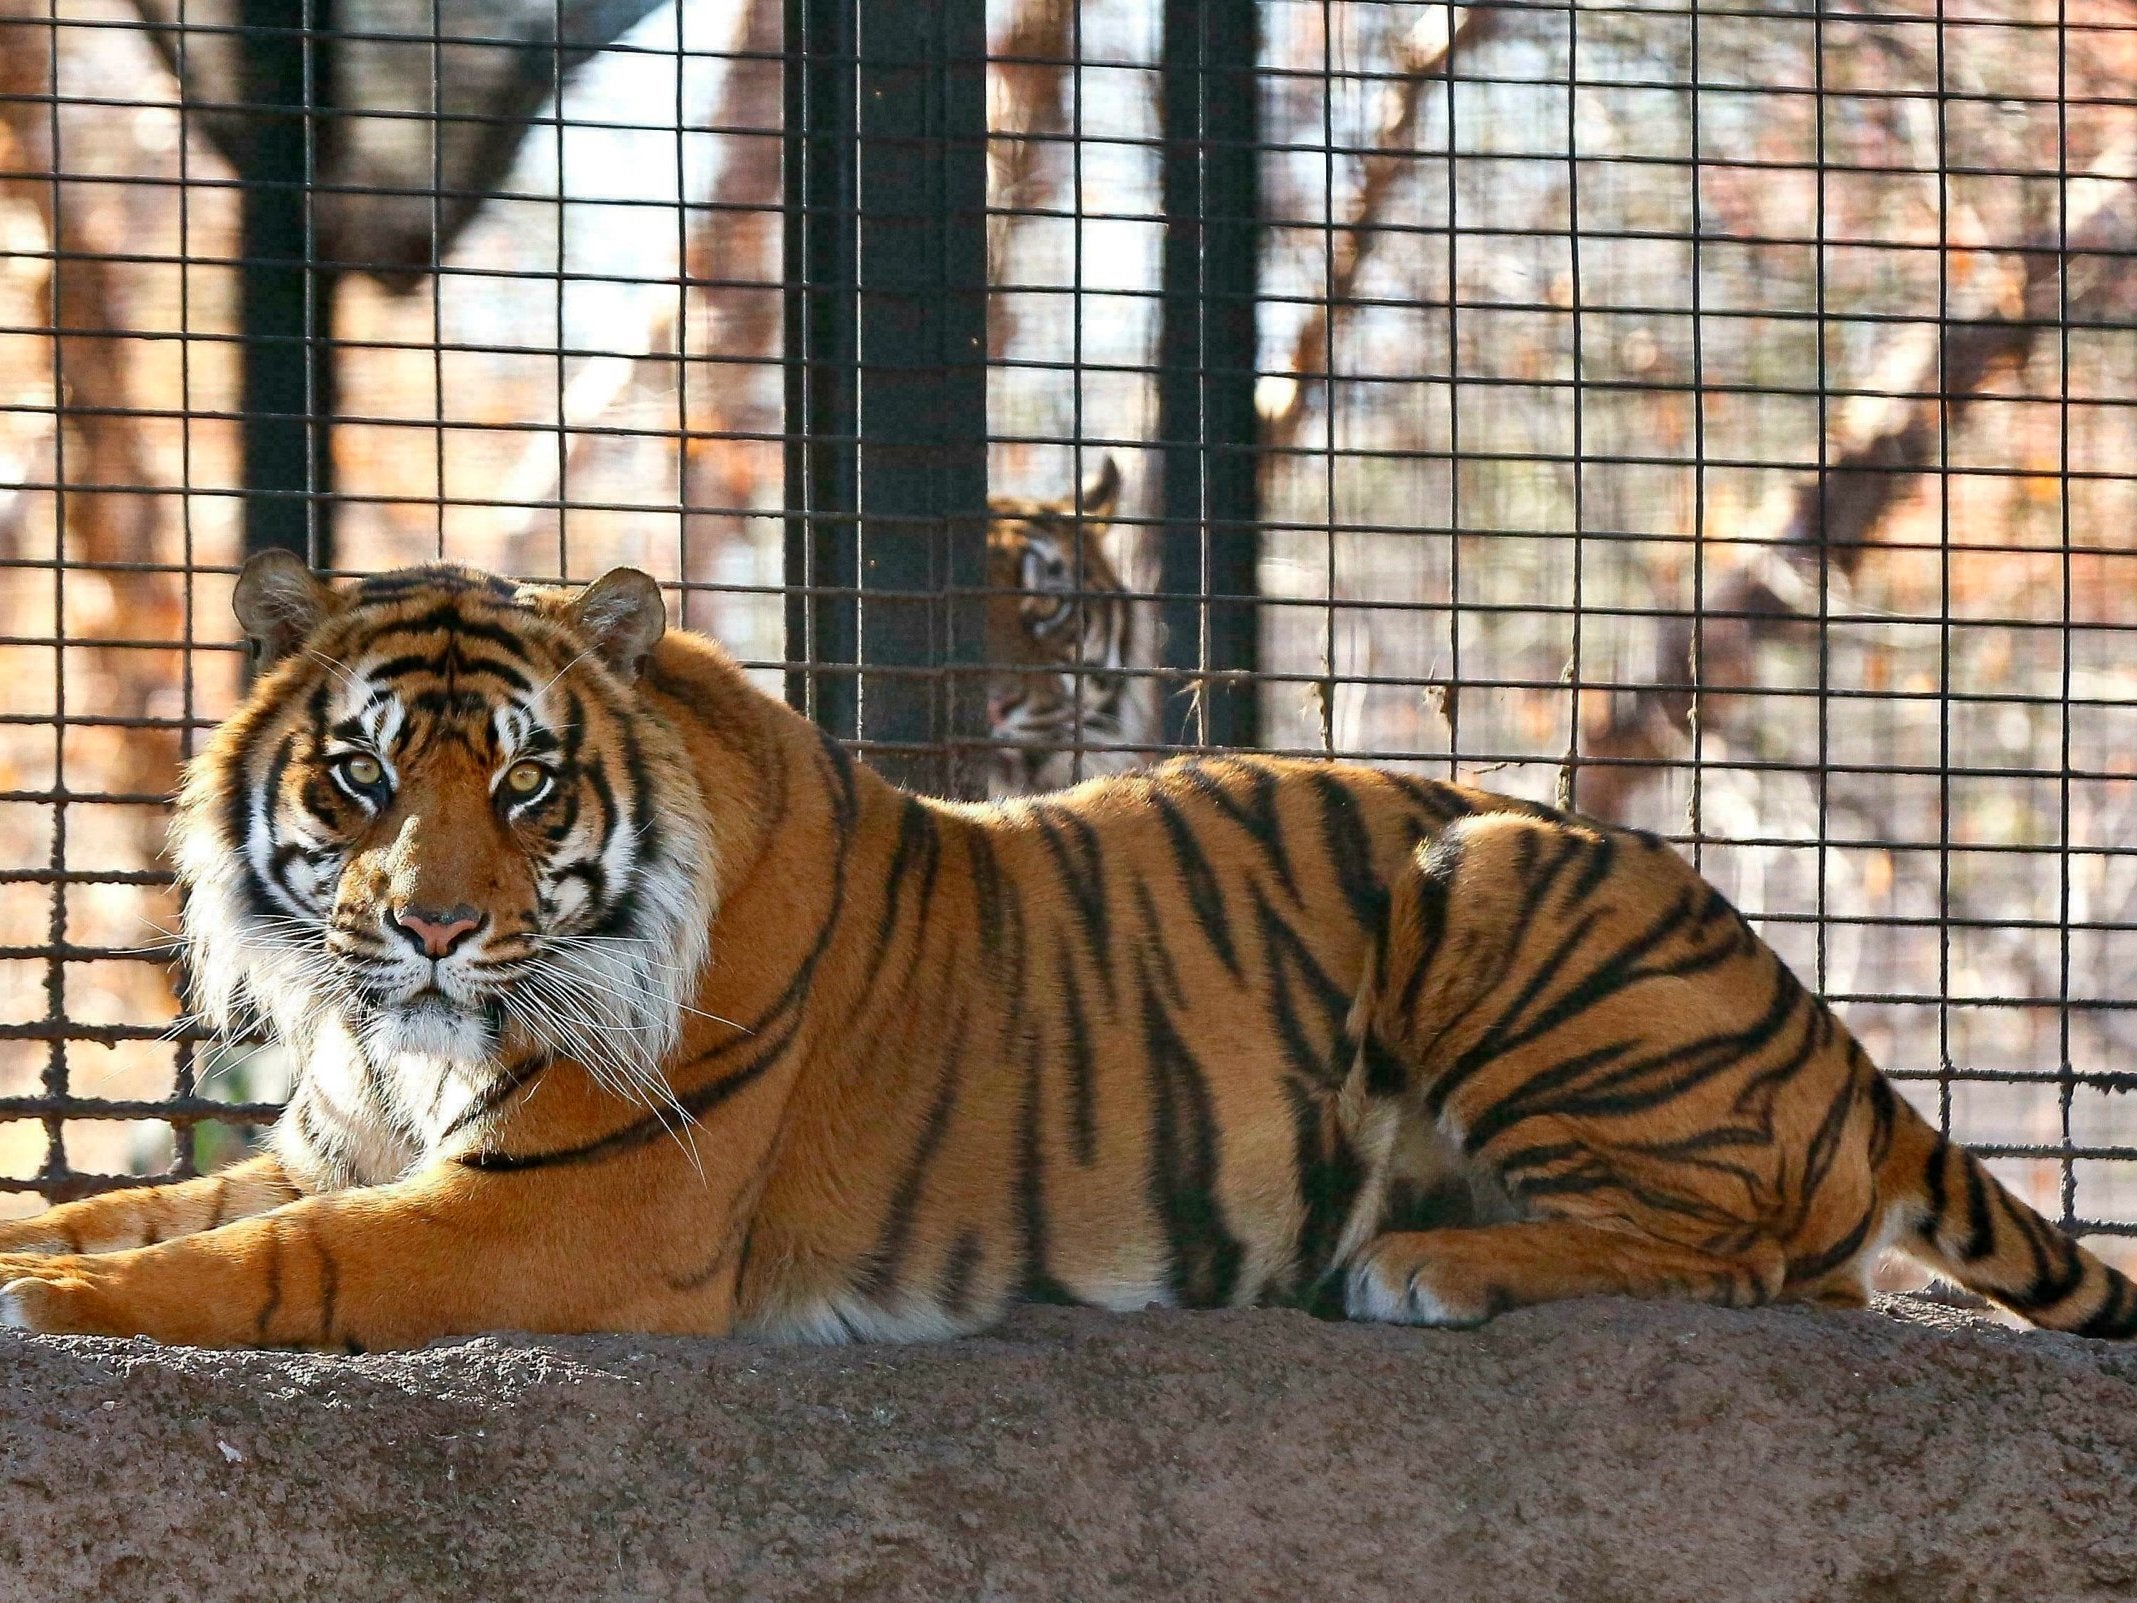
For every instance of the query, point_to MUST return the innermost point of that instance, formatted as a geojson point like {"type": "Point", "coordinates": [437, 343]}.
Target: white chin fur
{"type": "Point", "coordinates": [431, 1030]}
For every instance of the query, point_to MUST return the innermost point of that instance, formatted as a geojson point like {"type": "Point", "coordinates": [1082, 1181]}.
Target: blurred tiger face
{"type": "Point", "coordinates": [1047, 631]}
{"type": "Point", "coordinates": [442, 818]}
{"type": "Point", "coordinates": [1039, 565]}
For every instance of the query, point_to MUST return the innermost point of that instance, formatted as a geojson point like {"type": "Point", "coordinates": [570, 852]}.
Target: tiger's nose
{"type": "Point", "coordinates": [435, 932]}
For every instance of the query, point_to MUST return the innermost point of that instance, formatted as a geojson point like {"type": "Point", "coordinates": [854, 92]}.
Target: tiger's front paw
{"type": "Point", "coordinates": [52, 1297]}
{"type": "Point", "coordinates": [1394, 1283]}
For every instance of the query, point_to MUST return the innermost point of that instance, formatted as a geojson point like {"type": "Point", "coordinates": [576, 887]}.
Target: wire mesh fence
{"type": "Point", "coordinates": [1716, 418]}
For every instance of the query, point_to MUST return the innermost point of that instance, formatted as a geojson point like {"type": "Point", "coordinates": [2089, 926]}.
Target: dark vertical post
{"type": "Point", "coordinates": [887, 418]}
{"type": "Point", "coordinates": [285, 295]}
{"type": "Point", "coordinates": [923, 269]}
{"type": "Point", "coordinates": [822, 374]}
{"type": "Point", "coordinates": [1207, 426]}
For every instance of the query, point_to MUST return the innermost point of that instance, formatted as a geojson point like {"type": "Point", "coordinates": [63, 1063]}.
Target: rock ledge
{"type": "Point", "coordinates": [1594, 1451]}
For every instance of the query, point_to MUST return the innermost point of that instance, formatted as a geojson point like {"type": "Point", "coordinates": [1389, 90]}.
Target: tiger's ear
{"type": "Point", "coordinates": [279, 601]}
{"type": "Point", "coordinates": [622, 616]}
{"type": "Point", "coordinates": [1101, 491]}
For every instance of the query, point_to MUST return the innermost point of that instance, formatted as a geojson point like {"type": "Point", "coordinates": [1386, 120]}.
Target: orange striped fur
{"type": "Point", "coordinates": [1226, 1032]}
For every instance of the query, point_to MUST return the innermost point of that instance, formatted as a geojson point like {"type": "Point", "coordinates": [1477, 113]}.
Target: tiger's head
{"type": "Point", "coordinates": [441, 818]}
{"type": "Point", "coordinates": [1062, 641]}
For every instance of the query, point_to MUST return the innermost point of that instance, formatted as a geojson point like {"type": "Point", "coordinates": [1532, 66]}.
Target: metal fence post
{"type": "Point", "coordinates": [1207, 426]}
{"type": "Point", "coordinates": [285, 293]}
{"type": "Point", "coordinates": [886, 377]}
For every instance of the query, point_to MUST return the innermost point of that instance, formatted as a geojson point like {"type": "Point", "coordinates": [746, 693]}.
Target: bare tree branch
{"type": "Point", "coordinates": [734, 254]}
{"type": "Point", "coordinates": [86, 319]}
{"type": "Point", "coordinates": [731, 258]}
{"type": "Point", "coordinates": [1423, 55]}
{"type": "Point", "coordinates": [1830, 519]}
{"type": "Point", "coordinates": [105, 514]}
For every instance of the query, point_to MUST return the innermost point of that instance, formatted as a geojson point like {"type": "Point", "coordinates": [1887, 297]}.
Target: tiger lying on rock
{"type": "Point", "coordinates": [624, 1000]}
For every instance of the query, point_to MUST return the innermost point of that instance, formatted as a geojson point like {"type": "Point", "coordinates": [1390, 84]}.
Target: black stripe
{"type": "Point", "coordinates": [1155, 944]}
{"type": "Point", "coordinates": [2117, 1313]}
{"type": "Point", "coordinates": [694, 1104]}
{"type": "Point", "coordinates": [265, 820]}
{"type": "Point", "coordinates": [1039, 1284]}
{"type": "Point", "coordinates": [495, 1095]}
{"type": "Point", "coordinates": [1256, 813]}
{"type": "Point", "coordinates": [328, 1145]}
{"type": "Point", "coordinates": [1083, 1096]}
{"type": "Point", "coordinates": [1510, 1164]}
{"type": "Point", "coordinates": [1350, 851]}
{"type": "Point", "coordinates": [727, 714]}
{"type": "Point", "coordinates": [329, 1286]}
{"type": "Point", "coordinates": [1617, 972]}
{"type": "Point", "coordinates": [989, 898]}
{"type": "Point", "coordinates": [1205, 1255]}
{"type": "Point", "coordinates": [402, 583]}
{"type": "Point", "coordinates": [1082, 876]}
{"type": "Point", "coordinates": [1666, 1075]}
{"type": "Point", "coordinates": [1933, 1191]}
{"type": "Point", "coordinates": [240, 793]}
{"type": "Point", "coordinates": [1328, 1175]}
{"type": "Point", "coordinates": [271, 1267]}
{"type": "Point", "coordinates": [1534, 1095]}
{"type": "Point", "coordinates": [1602, 857]}
{"type": "Point", "coordinates": [955, 1290]}
{"type": "Point", "coordinates": [1428, 890]}
{"type": "Point", "coordinates": [1820, 1264]}
{"type": "Point", "coordinates": [1884, 1109]}
{"type": "Point", "coordinates": [448, 664]}
{"type": "Point", "coordinates": [447, 617]}
{"type": "Point", "coordinates": [885, 1262]}
{"type": "Point", "coordinates": [2057, 1269]}
{"type": "Point", "coordinates": [917, 842]}
{"type": "Point", "coordinates": [1442, 803]}
{"type": "Point", "coordinates": [644, 821]}
{"type": "Point", "coordinates": [845, 799]}
{"type": "Point", "coordinates": [919, 837]}
{"type": "Point", "coordinates": [1204, 895]}
{"type": "Point", "coordinates": [1285, 954]}
{"type": "Point", "coordinates": [1444, 860]}
{"type": "Point", "coordinates": [1981, 1225]}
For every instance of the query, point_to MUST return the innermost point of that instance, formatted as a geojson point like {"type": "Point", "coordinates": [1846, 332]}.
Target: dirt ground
{"type": "Point", "coordinates": [1595, 1451]}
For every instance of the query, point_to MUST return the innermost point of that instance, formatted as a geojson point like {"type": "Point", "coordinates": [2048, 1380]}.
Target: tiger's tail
{"type": "Point", "coordinates": [1960, 1221]}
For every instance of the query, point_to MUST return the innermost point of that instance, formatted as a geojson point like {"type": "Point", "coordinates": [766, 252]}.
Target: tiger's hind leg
{"type": "Point", "coordinates": [1592, 1026]}
{"type": "Point", "coordinates": [1466, 1276]}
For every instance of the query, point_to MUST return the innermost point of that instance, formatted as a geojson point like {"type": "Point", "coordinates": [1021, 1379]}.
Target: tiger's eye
{"type": "Point", "coordinates": [524, 779]}
{"type": "Point", "coordinates": [363, 769]}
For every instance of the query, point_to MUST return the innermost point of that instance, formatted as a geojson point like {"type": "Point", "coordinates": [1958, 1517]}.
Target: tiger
{"type": "Point", "coordinates": [1072, 692]}
{"type": "Point", "coordinates": [624, 999]}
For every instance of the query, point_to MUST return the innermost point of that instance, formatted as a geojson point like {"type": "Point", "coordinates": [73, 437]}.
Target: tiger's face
{"type": "Point", "coordinates": [440, 820]}
{"type": "Point", "coordinates": [1058, 627]}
